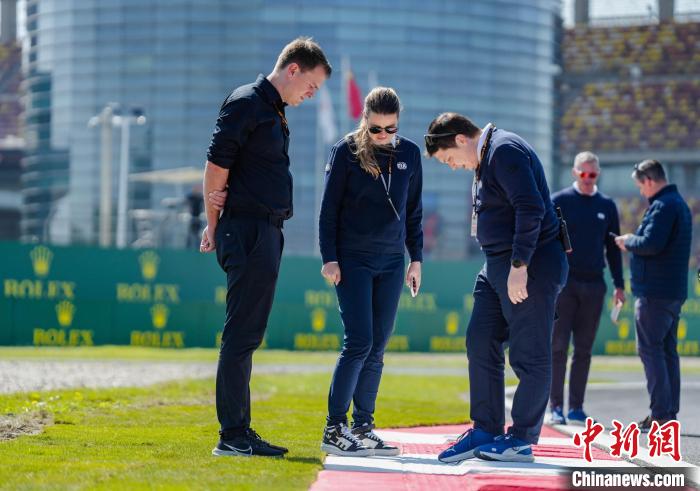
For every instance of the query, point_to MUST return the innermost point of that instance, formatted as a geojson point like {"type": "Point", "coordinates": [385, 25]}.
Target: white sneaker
{"type": "Point", "coordinates": [339, 440]}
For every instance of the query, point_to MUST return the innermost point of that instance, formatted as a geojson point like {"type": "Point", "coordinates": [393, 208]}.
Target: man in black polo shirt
{"type": "Point", "coordinates": [593, 224]}
{"type": "Point", "coordinates": [248, 155]}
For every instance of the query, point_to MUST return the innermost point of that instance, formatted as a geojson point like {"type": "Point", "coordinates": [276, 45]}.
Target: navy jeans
{"type": "Point", "coordinates": [656, 320]}
{"type": "Point", "coordinates": [527, 329]}
{"type": "Point", "coordinates": [579, 307]}
{"type": "Point", "coordinates": [368, 297]}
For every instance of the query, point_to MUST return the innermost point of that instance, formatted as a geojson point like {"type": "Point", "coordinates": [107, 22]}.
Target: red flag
{"type": "Point", "coordinates": [354, 97]}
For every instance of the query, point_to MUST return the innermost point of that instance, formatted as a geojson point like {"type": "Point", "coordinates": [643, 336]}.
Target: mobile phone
{"type": "Point", "coordinates": [414, 288]}
{"type": "Point", "coordinates": [615, 312]}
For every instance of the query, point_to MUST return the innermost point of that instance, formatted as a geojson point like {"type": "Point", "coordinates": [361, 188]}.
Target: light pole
{"type": "Point", "coordinates": [124, 121]}
{"type": "Point", "coordinates": [104, 119]}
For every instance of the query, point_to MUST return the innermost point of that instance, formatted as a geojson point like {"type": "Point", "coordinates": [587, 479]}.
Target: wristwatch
{"type": "Point", "coordinates": [517, 263]}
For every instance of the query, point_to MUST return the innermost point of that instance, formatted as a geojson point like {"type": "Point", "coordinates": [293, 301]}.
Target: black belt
{"type": "Point", "coordinates": [272, 219]}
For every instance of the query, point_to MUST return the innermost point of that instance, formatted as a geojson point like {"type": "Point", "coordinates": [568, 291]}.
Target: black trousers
{"type": "Point", "coordinates": [249, 251]}
{"type": "Point", "coordinates": [579, 307]}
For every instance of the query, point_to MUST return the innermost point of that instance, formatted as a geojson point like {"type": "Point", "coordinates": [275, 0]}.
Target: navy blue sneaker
{"type": "Point", "coordinates": [556, 416]}
{"type": "Point", "coordinates": [505, 448]}
{"type": "Point", "coordinates": [463, 448]}
{"type": "Point", "coordinates": [577, 417]}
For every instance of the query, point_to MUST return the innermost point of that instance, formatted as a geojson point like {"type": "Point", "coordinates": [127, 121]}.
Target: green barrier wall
{"type": "Point", "coordinates": [80, 296]}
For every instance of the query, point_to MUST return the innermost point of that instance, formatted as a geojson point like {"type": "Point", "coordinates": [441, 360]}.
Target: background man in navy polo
{"type": "Point", "coordinates": [515, 292]}
{"type": "Point", "coordinates": [248, 155]}
{"type": "Point", "coordinates": [659, 268]}
{"type": "Point", "coordinates": [593, 222]}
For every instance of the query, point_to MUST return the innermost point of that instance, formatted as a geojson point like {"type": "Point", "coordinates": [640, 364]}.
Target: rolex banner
{"type": "Point", "coordinates": [80, 296]}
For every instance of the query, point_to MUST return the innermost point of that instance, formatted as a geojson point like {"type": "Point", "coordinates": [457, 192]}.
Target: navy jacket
{"type": "Point", "coordinates": [515, 211]}
{"type": "Point", "coordinates": [661, 247]}
{"type": "Point", "coordinates": [251, 140]}
{"type": "Point", "coordinates": [590, 219]}
{"type": "Point", "coordinates": [355, 213]}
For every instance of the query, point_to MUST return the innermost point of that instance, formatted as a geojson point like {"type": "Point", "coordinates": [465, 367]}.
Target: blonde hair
{"type": "Point", "coordinates": [380, 100]}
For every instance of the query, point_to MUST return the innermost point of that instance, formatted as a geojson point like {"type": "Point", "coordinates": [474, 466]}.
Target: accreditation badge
{"type": "Point", "coordinates": [475, 192]}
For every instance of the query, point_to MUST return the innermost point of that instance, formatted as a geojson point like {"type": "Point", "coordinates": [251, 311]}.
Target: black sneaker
{"type": "Point", "coordinates": [339, 440]}
{"type": "Point", "coordinates": [645, 424]}
{"type": "Point", "coordinates": [370, 440]}
{"type": "Point", "coordinates": [247, 445]}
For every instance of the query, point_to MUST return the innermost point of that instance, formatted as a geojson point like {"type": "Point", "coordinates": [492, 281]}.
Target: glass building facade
{"type": "Point", "coordinates": [178, 59]}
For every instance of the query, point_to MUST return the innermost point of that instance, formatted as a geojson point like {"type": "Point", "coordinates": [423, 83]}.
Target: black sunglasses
{"type": "Point", "coordinates": [375, 130]}
{"type": "Point", "coordinates": [432, 138]}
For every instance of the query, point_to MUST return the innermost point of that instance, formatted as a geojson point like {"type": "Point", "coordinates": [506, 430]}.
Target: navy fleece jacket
{"type": "Point", "coordinates": [355, 212]}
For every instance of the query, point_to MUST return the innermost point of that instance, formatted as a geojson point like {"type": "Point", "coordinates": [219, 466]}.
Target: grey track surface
{"type": "Point", "coordinates": [625, 398]}
{"type": "Point", "coordinates": [38, 375]}
{"type": "Point", "coordinates": [34, 375]}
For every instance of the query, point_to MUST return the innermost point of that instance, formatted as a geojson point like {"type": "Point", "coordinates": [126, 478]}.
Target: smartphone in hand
{"type": "Point", "coordinates": [615, 312]}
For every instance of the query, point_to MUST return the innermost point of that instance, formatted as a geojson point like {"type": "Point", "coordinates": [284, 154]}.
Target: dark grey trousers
{"type": "Point", "coordinates": [579, 308]}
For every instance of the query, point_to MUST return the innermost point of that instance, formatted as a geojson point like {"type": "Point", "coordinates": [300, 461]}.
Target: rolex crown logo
{"type": "Point", "coordinates": [452, 323]}
{"type": "Point", "coordinates": [41, 260]}
{"type": "Point", "coordinates": [65, 312]}
{"type": "Point", "coordinates": [149, 264]}
{"type": "Point", "coordinates": [159, 315]}
{"type": "Point", "coordinates": [318, 319]}
{"type": "Point", "coordinates": [623, 329]}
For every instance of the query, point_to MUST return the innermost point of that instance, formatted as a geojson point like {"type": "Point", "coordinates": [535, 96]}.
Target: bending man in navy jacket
{"type": "Point", "coordinates": [515, 292]}
{"type": "Point", "coordinates": [593, 222]}
{"type": "Point", "coordinates": [659, 266]}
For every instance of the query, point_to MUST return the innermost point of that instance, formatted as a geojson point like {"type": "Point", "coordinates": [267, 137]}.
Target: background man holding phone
{"type": "Point", "coordinates": [659, 266]}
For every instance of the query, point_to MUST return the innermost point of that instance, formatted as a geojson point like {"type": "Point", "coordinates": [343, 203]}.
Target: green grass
{"type": "Point", "coordinates": [689, 365]}
{"type": "Point", "coordinates": [419, 360]}
{"type": "Point", "coordinates": [107, 353]}
{"type": "Point", "coordinates": [161, 437]}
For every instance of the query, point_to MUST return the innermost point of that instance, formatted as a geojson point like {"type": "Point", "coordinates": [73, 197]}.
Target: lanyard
{"type": "Point", "coordinates": [285, 126]}
{"type": "Point", "coordinates": [484, 149]}
{"type": "Point", "coordinates": [387, 187]}
{"type": "Point", "coordinates": [477, 179]}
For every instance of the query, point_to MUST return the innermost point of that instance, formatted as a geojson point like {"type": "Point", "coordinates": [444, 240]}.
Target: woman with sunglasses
{"type": "Point", "coordinates": [371, 213]}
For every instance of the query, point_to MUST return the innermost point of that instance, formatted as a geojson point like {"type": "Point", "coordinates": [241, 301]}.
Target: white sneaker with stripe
{"type": "Point", "coordinates": [372, 441]}
{"type": "Point", "coordinates": [339, 440]}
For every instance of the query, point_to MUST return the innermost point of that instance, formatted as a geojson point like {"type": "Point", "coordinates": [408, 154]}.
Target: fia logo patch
{"type": "Point", "coordinates": [401, 165]}
{"type": "Point", "coordinates": [601, 215]}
